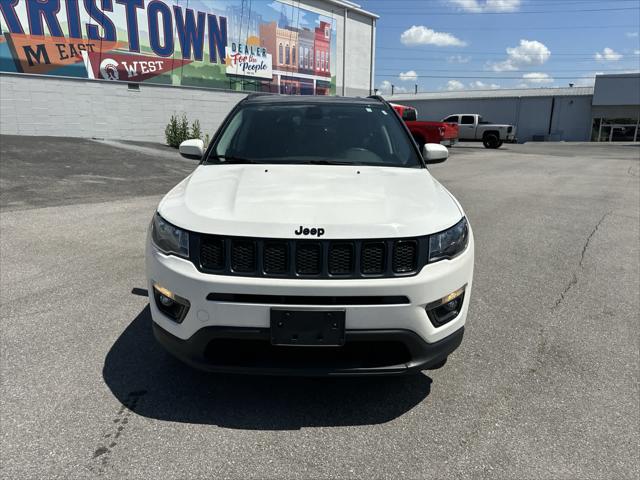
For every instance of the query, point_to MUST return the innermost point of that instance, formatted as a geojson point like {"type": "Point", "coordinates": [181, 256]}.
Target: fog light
{"type": "Point", "coordinates": [172, 305]}
{"type": "Point", "coordinates": [446, 309]}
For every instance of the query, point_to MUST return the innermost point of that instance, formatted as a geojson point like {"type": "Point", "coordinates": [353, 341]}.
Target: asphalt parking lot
{"type": "Point", "coordinates": [545, 384]}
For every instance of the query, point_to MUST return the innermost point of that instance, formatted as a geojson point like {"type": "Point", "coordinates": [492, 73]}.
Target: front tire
{"type": "Point", "coordinates": [491, 141]}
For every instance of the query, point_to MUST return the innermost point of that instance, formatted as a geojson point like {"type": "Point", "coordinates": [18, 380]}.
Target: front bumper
{"type": "Point", "coordinates": [381, 326]}
{"type": "Point", "coordinates": [248, 350]}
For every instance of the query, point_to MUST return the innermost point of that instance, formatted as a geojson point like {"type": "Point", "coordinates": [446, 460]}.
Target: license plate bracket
{"type": "Point", "coordinates": [312, 328]}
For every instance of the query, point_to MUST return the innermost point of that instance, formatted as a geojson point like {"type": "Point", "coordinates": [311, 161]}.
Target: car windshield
{"type": "Point", "coordinates": [326, 134]}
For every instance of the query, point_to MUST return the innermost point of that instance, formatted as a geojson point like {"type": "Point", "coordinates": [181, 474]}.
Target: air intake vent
{"type": "Point", "coordinates": [275, 258]}
{"type": "Point", "coordinates": [243, 256]}
{"type": "Point", "coordinates": [308, 259]}
{"type": "Point", "coordinates": [212, 253]}
{"type": "Point", "coordinates": [405, 256]}
{"type": "Point", "coordinates": [341, 259]}
{"type": "Point", "coordinates": [373, 258]}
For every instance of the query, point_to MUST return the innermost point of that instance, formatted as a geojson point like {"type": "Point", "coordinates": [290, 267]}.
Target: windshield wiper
{"type": "Point", "coordinates": [232, 159]}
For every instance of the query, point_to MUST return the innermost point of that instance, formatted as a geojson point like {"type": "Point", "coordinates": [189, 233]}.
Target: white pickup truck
{"type": "Point", "coordinates": [471, 127]}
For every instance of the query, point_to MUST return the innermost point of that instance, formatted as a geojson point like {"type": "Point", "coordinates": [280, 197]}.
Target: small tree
{"type": "Point", "coordinates": [183, 129]}
{"type": "Point", "coordinates": [171, 132]}
{"type": "Point", "coordinates": [195, 130]}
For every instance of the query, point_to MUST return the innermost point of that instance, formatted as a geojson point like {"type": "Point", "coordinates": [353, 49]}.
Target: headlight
{"type": "Point", "coordinates": [169, 239]}
{"type": "Point", "coordinates": [449, 243]}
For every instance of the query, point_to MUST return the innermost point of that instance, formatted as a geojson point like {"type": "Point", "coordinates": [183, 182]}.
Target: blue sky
{"type": "Point", "coordinates": [482, 44]}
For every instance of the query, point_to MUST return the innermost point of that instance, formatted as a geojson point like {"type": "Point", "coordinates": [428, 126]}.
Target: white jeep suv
{"type": "Point", "coordinates": [310, 240]}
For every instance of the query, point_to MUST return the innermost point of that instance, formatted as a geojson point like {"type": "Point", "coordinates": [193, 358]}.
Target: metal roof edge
{"type": "Point", "coordinates": [355, 7]}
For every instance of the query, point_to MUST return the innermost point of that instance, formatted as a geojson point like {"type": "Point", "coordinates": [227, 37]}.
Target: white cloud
{"type": "Point", "coordinates": [608, 55]}
{"type": "Point", "coordinates": [529, 52]}
{"type": "Point", "coordinates": [421, 35]}
{"type": "Point", "coordinates": [479, 85]}
{"type": "Point", "coordinates": [385, 88]}
{"type": "Point", "coordinates": [537, 77]}
{"type": "Point", "coordinates": [488, 5]}
{"type": "Point", "coordinates": [458, 59]}
{"type": "Point", "coordinates": [632, 34]}
{"type": "Point", "coordinates": [454, 85]}
{"type": "Point", "coordinates": [410, 75]}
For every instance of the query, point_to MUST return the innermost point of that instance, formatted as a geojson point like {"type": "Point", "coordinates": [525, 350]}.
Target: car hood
{"type": "Point", "coordinates": [273, 201]}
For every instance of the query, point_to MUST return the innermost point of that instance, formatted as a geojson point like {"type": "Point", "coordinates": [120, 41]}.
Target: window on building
{"type": "Point", "coordinates": [326, 32]}
{"type": "Point", "coordinates": [280, 53]}
{"type": "Point", "coordinates": [327, 62]}
{"type": "Point", "coordinates": [293, 55]}
{"type": "Point", "coordinates": [287, 55]}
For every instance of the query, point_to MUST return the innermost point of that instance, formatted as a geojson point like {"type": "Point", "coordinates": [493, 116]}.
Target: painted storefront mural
{"type": "Point", "coordinates": [257, 45]}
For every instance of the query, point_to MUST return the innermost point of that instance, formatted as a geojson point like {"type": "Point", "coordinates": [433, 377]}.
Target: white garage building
{"type": "Point", "coordinates": [609, 111]}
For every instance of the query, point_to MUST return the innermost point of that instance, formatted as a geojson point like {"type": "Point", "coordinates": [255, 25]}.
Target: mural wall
{"type": "Point", "coordinates": [254, 45]}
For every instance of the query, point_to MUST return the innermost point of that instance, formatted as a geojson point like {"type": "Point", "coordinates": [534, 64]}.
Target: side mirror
{"type": "Point", "coordinates": [434, 153]}
{"type": "Point", "coordinates": [193, 149]}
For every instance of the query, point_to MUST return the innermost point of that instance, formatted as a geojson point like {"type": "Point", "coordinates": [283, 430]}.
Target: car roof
{"type": "Point", "coordinates": [269, 99]}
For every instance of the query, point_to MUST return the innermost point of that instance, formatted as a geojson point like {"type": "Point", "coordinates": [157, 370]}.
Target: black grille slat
{"type": "Point", "coordinates": [405, 256]}
{"type": "Point", "coordinates": [341, 259]}
{"type": "Point", "coordinates": [243, 256]}
{"type": "Point", "coordinates": [373, 258]}
{"type": "Point", "coordinates": [212, 253]}
{"type": "Point", "coordinates": [275, 258]}
{"type": "Point", "coordinates": [308, 259]}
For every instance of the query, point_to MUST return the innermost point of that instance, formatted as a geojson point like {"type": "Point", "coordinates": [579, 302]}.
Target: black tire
{"type": "Point", "coordinates": [491, 140]}
{"type": "Point", "coordinates": [500, 144]}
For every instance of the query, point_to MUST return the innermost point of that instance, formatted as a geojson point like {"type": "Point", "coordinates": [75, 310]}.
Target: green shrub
{"type": "Point", "coordinates": [196, 132]}
{"type": "Point", "coordinates": [177, 131]}
{"type": "Point", "coordinates": [183, 129]}
{"type": "Point", "coordinates": [171, 132]}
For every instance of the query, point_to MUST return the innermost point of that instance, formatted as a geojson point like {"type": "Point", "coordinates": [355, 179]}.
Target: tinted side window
{"type": "Point", "coordinates": [452, 119]}
{"type": "Point", "coordinates": [467, 120]}
{"type": "Point", "coordinates": [409, 115]}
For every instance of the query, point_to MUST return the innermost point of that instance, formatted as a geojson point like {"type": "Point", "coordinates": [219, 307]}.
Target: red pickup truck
{"type": "Point", "coordinates": [427, 132]}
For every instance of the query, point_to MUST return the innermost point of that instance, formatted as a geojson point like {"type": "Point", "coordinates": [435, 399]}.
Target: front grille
{"type": "Point", "coordinates": [405, 256]}
{"type": "Point", "coordinates": [341, 259]}
{"type": "Point", "coordinates": [243, 256]}
{"type": "Point", "coordinates": [309, 259]}
{"type": "Point", "coordinates": [283, 258]}
{"type": "Point", "coordinates": [373, 258]}
{"type": "Point", "coordinates": [212, 253]}
{"type": "Point", "coordinates": [276, 258]}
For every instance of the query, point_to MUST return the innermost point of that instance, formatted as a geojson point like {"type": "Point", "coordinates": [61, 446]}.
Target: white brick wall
{"type": "Point", "coordinates": [50, 106]}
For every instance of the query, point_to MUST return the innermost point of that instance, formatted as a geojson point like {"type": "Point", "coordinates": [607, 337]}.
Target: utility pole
{"type": "Point", "coordinates": [416, 89]}
{"type": "Point", "coordinates": [393, 87]}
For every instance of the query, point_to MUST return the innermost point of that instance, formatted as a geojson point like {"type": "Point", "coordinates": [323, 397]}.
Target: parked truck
{"type": "Point", "coordinates": [471, 127]}
{"type": "Point", "coordinates": [427, 132]}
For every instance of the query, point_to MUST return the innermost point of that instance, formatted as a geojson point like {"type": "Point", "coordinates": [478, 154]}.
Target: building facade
{"type": "Point", "coordinates": [69, 70]}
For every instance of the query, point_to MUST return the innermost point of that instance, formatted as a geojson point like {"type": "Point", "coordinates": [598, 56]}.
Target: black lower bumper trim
{"type": "Point", "coordinates": [366, 352]}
